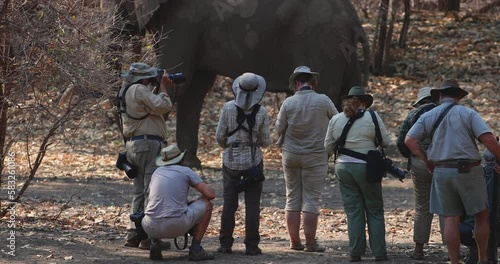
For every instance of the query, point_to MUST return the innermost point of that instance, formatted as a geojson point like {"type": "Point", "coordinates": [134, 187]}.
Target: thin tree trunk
{"type": "Point", "coordinates": [388, 40]}
{"type": "Point", "coordinates": [4, 87]}
{"type": "Point", "coordinates": [449, 5]}
{"type": "Point", "coordinates": [406, 25]}
{"type": "Point", "coordinates": [379, 46]}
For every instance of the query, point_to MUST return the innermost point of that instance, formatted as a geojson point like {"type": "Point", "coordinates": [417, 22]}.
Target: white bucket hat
{"type": "Point", "coordinates": [299, 70]}
{"type": "Point", "coordinates": [139, 71]}
{"type": "Point", "coordinates": [169, 155]}
{"type": "Point", "coordinates": [422, 94]}
{"type": "Point", "coordinates": [248, 89]}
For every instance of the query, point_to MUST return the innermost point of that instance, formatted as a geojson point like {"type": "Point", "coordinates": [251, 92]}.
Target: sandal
{"type": "Point", "coordinates": [297, 246]}
{"type": "Point", "coordinates": [314, 248]}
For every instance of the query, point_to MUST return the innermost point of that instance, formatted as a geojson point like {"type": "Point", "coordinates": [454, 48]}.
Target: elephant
{"type": "Point", "coordinates": [268, 37]}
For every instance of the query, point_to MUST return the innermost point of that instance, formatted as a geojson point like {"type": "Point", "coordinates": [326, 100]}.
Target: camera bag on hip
{"type": "Point", "coordinates": [254, 174]}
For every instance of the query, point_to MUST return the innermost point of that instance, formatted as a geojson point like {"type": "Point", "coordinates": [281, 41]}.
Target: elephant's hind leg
{"type": "Point", "coordinates": [188, 115]}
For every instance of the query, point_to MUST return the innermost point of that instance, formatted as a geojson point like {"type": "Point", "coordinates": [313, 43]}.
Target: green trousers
{"type": "Point", "coordinates": [363, 205]}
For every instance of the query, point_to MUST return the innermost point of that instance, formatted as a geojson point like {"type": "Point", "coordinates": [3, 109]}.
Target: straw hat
{"type": "Point", "coordinates": [169, 156]}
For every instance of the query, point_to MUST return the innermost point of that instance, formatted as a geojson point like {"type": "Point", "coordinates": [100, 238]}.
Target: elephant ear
{"type": "Point", "coordinates": [145, 9]}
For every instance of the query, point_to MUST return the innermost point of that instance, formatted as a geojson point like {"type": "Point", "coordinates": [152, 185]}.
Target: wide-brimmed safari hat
{"type": "Point", "coordinates": [139, 71]}
{"type": "Point", "coordinates": [422, 94]}
{"type": "Point", "coordinates": [359, 92]}
{"type": "Point", "coordinates": [248, 89]}
{"type": "Point", "coordinates": [300, 70]}
{"type": "Point", "coordinates": [169, 156]}
{"type": "Point", "coordinates": [449, 84]}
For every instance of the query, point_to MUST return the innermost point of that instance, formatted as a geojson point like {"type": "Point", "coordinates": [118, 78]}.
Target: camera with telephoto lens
{"type": "Point", "coordinates": [123, 165]}
{"type": "Point", "coordinates": [395, 171]}
{"type": "Point", "coordinates": [176, 78]}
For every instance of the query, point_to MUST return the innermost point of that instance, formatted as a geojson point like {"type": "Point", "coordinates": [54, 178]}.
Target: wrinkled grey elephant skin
{"type": "Point", "coordinates": [267, 37]}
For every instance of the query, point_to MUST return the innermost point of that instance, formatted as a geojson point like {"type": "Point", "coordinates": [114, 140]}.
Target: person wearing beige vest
{"type": "Point", "coordinates": [145, 132]}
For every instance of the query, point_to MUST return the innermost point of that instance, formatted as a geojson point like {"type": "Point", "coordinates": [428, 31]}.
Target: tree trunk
{"type": "Point", "coordinates": [379, 42]}
{"type": "Point", "coordinates": [4, 86]}
{"type": "Point", "coordinates": [406, 25]}
{"type": "Point", "coordinates": [388, 40]}
{"type": "Point", "coordinates": [449, 5]}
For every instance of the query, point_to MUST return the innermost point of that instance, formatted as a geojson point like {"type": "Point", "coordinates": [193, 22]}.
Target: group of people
{"type": "Point", "coordinates": [439, 138]}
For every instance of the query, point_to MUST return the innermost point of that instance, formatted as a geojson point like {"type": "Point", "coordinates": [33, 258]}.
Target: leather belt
{"type": "Point", "coordinates": [456, 165]}
{"type": "Point", "coordinates": [152, 137]}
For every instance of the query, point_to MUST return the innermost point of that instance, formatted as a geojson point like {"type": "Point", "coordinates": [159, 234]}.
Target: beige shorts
{"type": "Point", "coordinates": [305, 177]}
{"type": "Point", "coordinates": [175, 226]}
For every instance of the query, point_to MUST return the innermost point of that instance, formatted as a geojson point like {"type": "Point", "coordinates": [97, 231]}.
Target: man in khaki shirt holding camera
{"type": "Point", "coordinates": [144, 130]}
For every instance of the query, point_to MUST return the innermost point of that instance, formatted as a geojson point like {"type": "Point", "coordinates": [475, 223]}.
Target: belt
{"type": "Point", "coordinates": [152, 137]}
{"type": "Point", "coordinates": [456, 165]}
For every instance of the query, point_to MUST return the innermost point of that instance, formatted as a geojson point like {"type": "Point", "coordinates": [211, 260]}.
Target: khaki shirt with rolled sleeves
{"type": "Point", "coordinates": [361, 136]}
{"type": "Point", "coordinates": [455, 138]}
{"type": "Point", "coordinates": [303, 120]}
{"type": "Point", "coordinates": [140, 101]}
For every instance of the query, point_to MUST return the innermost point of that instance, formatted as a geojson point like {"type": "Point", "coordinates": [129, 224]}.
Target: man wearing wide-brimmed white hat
{"type": "Point", "coordinates": [301, 125]}
{"type": "Point", "coordinates": [421, 177]}
{"type": "Point", "coordinates": [458, 184]}
{"type": "Point", "coordinates": [242, 131]}
{"type": "Point", "coordinates": [168, 213]}
{"type": "Point", "coordinates": [144, 131]}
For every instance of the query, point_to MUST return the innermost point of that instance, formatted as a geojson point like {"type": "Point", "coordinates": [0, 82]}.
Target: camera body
{"type": "Point", "coordinates": [177, 78]}
{"type": "Point", "coordinates": [123, 165]}
{"type": "Point", "coordinates": [395, 171]}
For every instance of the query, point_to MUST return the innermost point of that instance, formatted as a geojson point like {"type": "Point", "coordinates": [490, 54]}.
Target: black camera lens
{"type": "Point", "coordinates": [177, 78]}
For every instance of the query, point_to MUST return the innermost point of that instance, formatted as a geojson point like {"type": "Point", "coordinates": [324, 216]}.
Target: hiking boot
{"type": "Point", "coordinates": [155, 250]}
{"type": "Point", "coordinates": [200, 255]}
{"type": "Point", "coordinates": [314, 248]}
{"type": "Point", "coordinates": [253, 251]}
{"type": "Point", "coordinates": [132, 242]}
{"type": "Point", "coordinates": [227, 250]}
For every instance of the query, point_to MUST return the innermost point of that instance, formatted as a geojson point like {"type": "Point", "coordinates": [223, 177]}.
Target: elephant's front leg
{"type": "Point", "coordinates": [188, 116]}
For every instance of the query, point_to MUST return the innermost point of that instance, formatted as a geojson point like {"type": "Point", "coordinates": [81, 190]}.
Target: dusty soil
{"type": "Point", "coordinates": [75, 210]}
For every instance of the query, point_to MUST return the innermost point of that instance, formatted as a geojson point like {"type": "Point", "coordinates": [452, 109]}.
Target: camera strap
{"type": "Point", "coordinates": [122, 107]}
{"type": "Point", "coordinates": [378, 134]}
{"type": "Point", "coordinates": [339, 147]}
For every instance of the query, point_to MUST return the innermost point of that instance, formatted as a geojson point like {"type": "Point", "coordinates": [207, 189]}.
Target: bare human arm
{"type": "Point", "coordinates": [493, 146]}
{"type": "Point", "coordinates": [205, 190]}
{"type": "Point", "coordinates": [414, 146]}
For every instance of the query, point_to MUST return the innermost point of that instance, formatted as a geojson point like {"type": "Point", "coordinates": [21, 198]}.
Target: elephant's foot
{"type": "Point", "coordinates": [192, 161]}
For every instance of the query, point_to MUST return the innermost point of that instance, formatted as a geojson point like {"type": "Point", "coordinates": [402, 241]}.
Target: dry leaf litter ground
{"type": "Point", "coordinates": [77, 208]}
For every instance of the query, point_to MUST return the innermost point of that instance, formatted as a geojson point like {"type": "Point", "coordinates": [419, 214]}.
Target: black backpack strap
{"type": "Point", "coordinates": [440, 119]}
{"type": "Point", "coordinates": [378, 134]}
{"type": "Point", "coordinates": [339, 145]}
{"type": "Point", "coordinates": [240, 119]}
{"type": "Point", "coordinates": [122, 108]}
{"type": "Point", "coordinates": [250, 118]}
